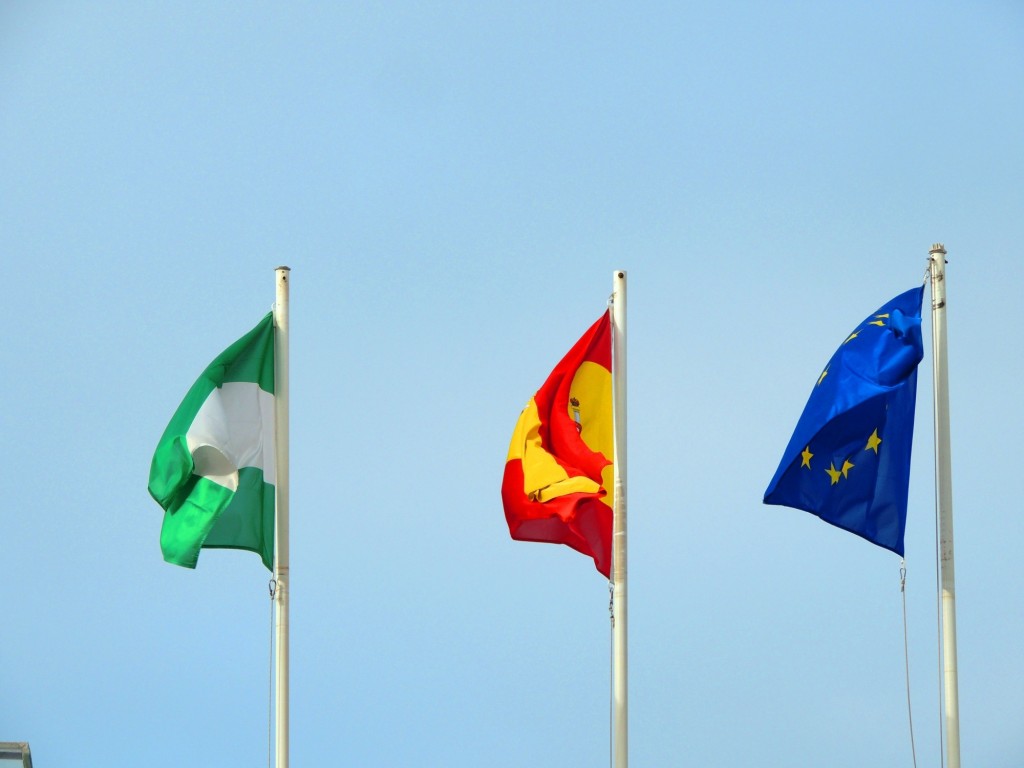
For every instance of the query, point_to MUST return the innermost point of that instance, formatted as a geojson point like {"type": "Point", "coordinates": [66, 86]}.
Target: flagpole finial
{"type": "Point", "coordinates": [938, 248]}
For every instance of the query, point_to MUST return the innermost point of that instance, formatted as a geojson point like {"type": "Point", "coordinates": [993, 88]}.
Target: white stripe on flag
{"type": "Point", "coordinates": [233, 428]}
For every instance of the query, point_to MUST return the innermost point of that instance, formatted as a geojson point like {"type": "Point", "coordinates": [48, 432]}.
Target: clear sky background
{"type": "Point", "coordinates": [453, 185]}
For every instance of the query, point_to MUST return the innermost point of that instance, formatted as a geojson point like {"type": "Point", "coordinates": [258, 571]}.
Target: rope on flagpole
{"type": "Point", "coordinates": [272, 586]}
{"type": "Point", "coordinates": [906, 657]}
{"type": "Point", "coordinates": [611, 667]}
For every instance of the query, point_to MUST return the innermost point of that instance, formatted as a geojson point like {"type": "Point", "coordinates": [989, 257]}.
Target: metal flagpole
{"type": "Point", "coordinates": [944, 504]}
{"type": "Point", "coordinates": [281, 517]}
{"type": "Point", "coordinates": [620, 678]}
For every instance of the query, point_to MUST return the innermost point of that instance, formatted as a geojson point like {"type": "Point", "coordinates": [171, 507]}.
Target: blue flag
{"type": "Point", "coordinates": [848, 461]}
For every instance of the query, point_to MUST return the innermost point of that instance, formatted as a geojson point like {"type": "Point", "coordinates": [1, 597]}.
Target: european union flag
{"type": "Point", "coordinates": [848, 461]}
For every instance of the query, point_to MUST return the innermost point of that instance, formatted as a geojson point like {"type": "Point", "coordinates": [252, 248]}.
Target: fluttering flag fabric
{"type": "Point", "coordinates": [214, 468]}
{"type": "Point", "coordinates": [848, 461]}
{"type": "Point", "coordinates": [559, 466]}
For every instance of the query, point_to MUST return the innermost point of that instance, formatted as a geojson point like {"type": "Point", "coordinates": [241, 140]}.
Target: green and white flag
{"type": "Point", "coordinates": [213, 470]}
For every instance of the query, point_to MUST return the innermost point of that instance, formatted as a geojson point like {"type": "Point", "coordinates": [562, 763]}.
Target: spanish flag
{"type": "Point", "coordinates": [559, 467]}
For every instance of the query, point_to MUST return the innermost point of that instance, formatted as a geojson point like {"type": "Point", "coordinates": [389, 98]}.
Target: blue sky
{"type": "Point", "coordinates": [452, 185]}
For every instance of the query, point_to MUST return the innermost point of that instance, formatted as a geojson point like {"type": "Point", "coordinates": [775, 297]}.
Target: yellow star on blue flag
{"type": "Point", "coordinates": [858, 425]}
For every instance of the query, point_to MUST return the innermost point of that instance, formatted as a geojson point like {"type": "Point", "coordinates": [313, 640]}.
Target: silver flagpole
{"type": "Point", "coordinates": [620, 677]}
{"type": "Point", "coordinates": [281, 517]}
{"type": "Point", "coordinates": [944, 504]}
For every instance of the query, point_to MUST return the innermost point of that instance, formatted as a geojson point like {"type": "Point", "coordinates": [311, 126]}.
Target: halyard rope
{"type": "Point", "coordinates": [269, 687]}
{"type": "Point", "coordinates": [906, 656]}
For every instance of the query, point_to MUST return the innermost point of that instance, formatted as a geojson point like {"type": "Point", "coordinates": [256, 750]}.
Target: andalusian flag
{"type": "Point", "coordinates": [559, 469]}
{"type": "Point", "coordinates": [213, 470]}
{"type": "Point", "coordinates": [848, 461]}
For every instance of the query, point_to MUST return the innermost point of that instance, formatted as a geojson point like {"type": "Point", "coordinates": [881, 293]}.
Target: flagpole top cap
{"type": "Point", "coordinates": [286, 269]}
{"type": "Point", "coordinates": [938, 248]}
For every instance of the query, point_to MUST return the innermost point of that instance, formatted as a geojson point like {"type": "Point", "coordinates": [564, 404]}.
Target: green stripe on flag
{"type": "Point", "coordinates": [221, 519]}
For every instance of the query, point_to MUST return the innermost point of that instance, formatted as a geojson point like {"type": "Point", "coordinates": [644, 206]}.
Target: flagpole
{"type": "Point", "coordinates": [281, 558]}
{"type": "Point", "coordinates": [620, 678]}
{"type": "Point", "coordinates": [944, 504]}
